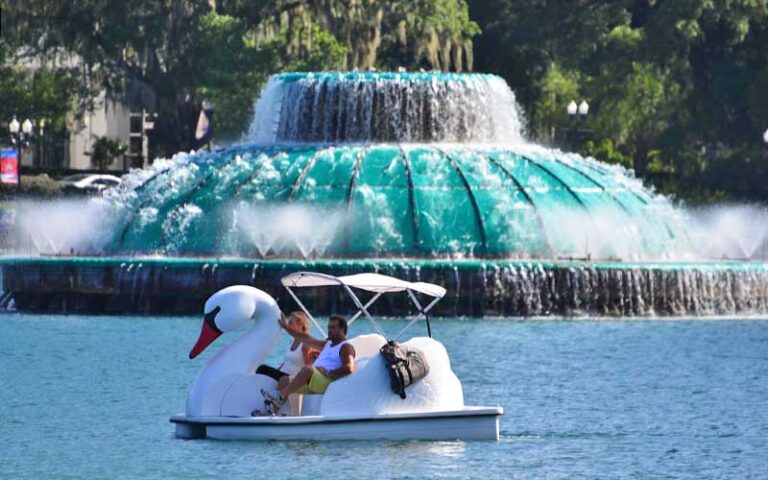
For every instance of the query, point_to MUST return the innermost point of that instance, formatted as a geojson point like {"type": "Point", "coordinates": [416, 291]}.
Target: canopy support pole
{"type": "Point", "coordinates": [367, 305]}
{"type": "Point", "coordinates": [422, 311]}
{"type": "Point", "coordinates": [304, 309]}
{"type": "Point", "coordinates": [363, 309]}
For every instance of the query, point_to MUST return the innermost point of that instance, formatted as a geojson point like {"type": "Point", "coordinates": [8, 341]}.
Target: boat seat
{"type": "Point", "coordinates": [367, 345]}
{"type": "Point", "coordinates": [305, 404]}
{"type": "Point", "coordinates": [309, 404]}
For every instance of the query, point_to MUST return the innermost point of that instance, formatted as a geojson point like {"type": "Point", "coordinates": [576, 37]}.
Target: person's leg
{"type": "Point", "coordinates": [275, 402]}
{"type": "Point", "coordinates": [270, 372]}
{"type": "Point", "coordinates": [299, 380]}
{"type": "Point", "coordinates": [283, 382]}
{"type": "Point", "coordinates": [318, 384]}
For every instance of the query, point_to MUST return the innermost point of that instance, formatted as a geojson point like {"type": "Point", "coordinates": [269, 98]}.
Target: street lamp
{"type": "Point", "coordinates": [578, 113]}
{"type": "Point", "coordinates": [765, 145]}
{"type": "Point", "coordinates": [21, 133]}
{"type": "Point", "coordinates": [14, 128]}
{"type": "Point", "coordinates": [572, 108]}
{"type": "Point", "coordinates": [26, 127]}
{"type": "Point", "coordinates": [20, 139]}
{"type": "Point", "coordinates": [583, 108]}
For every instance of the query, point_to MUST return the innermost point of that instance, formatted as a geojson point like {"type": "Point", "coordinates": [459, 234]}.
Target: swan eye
{"type": "Point", "coordinates": [209, 319]}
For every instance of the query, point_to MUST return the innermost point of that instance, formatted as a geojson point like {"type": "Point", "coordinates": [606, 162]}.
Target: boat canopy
{"type": "Point", "coordinates": [370, 282]}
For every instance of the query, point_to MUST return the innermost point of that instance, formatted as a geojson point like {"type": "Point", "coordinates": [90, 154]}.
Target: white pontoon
{"type": "Point", "coordinates": [360, 406]}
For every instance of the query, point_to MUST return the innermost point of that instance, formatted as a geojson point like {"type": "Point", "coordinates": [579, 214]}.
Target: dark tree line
{"type": "Point", "coordinates": [678, 88]}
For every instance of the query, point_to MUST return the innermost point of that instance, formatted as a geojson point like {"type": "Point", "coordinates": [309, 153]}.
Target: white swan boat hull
{"type": "Point", "coordinates": [469, 423]}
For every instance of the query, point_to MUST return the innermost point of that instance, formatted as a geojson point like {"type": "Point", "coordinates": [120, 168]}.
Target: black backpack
{"type": "Point", "coordinates": [405, 366]}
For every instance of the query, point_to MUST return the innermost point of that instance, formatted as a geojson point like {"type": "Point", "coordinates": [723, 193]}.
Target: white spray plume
{"type": "Point", "coordinates": [286, 229]}
{"type": "Point", "coordinates": [730, 231]}
{"type": "Point", "coordinates": [90, 226]}
{"type": "Point", "coordinates": [82, 226]}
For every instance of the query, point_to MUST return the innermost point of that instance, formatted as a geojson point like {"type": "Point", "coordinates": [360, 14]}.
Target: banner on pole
{"type": "Point", "coordinates": [9, 166]}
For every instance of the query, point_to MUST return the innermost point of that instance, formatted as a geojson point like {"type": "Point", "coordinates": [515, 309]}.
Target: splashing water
{"type": "Point", "coordinates": [84, 226]}
{"type": "Point", "coordinates": [282, 230]}
{"type": "Point", "coordinates": [736, 232]}
{"type": "Point", "coordinates": [405, 174]}
{"type": "Point", "coordinates": [397, 107]}
{"type": "Point", "coordinates": [730, 231]}
{"type": "Point", "coordinates": [456, 180]}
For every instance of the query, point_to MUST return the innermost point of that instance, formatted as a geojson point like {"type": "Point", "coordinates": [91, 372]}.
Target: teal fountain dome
{"type": "Point", "coordinates": [381, 165]}
{"type": "Point", "coordinates": [422, 176]}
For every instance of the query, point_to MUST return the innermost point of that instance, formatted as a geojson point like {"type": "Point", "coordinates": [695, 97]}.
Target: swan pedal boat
{"type": "Point", "coordinates": [360, 406]}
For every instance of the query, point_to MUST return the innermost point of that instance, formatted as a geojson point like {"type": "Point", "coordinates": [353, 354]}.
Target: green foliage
{"type": "Point", "coordinates": [557, 88]}
{"type": "Point", "coordinates": [635, 109]}
{"type": "Point", "coordinates": [757, 98]}
{"type": "Point", "coordinates": [105, 151]}
{"type": "Point", "coordinates": [232, 69]}
{"type": "Point", "coordinates": [434, 34]}
{"type": "Point", "coordinates": [606, 151]}
{"type": "Point", "coordinates": [44, 94]}
{"type": "Point", "coordinates": [374, 33]}
{"type": "Point", "coordinates": [168, 56]}
{"type": "Point", "coordinates": [678, 89]}
{"type": "Point", "coordinates": [33, 186]}
{"type": "Point", "coordinates": [230, 72]}
{"type": "Point", "coordinates": [327, 53]}
{"type": "Point", "coordinates": [39, 186]}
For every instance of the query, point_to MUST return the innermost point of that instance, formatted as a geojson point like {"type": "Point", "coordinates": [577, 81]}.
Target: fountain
{"type": "Point", "coordinates": [423, 176]}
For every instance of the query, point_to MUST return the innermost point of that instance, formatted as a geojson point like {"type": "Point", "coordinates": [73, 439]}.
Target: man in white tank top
{"type": "Point", "coordinates": [336, 360]}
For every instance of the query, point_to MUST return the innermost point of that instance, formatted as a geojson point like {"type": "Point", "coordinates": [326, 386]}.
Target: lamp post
{"type": "Point", "coordinates": [577, 112]}
{"type": "Point", "coordinates": [41, 124]}
{"type": "Point", "coordinates": [21, 134]}
{"type": "Point", "coordinates": [765, 150]}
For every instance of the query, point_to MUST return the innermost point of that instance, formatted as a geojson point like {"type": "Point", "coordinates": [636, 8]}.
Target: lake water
{"type": "Point", "coordinates": [90, 397]}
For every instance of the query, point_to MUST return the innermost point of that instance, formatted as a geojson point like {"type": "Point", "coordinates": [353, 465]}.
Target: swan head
{"type": "Point", "coordinates": [226, 311]}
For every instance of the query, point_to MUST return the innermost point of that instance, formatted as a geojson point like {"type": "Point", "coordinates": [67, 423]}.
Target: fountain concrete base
{"type": "Point", "coordinates": [121, 285]}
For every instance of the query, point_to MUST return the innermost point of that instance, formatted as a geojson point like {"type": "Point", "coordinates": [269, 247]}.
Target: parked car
{"type": "Point", "coordinates": [88, 183]}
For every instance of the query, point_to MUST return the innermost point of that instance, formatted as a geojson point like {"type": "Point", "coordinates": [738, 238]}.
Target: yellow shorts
{"type": "Point", "coordinates": [318, 383]}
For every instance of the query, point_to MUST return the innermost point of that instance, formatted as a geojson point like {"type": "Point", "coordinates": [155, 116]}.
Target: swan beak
{"type": "Point", "coordinates": [208, 334]}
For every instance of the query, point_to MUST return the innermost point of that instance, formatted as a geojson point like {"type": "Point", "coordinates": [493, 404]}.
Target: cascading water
{"type": "Point", "coordinates": [386, 107]}
{"type": "Point", "coordinates": [5, 297]}
{"type": "Point", "coordinates": [392, 165]}
{"type": "Point", "coordinates": [422, 174]}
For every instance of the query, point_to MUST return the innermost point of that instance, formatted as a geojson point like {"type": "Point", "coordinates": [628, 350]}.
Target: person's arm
{"type": "Point", "coordinates": [347, 354]}
{"type": "Point", "coordinates": [304, 338]}
{"type": "Point", "coordinates": [310, 354]}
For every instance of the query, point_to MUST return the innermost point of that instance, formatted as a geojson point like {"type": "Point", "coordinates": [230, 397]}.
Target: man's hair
{"type": "Point", "coordinates": [340, 320]}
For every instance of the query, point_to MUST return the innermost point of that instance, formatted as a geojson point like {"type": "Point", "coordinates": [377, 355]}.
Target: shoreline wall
{"type": "Point", "coordinates": [475, 288]}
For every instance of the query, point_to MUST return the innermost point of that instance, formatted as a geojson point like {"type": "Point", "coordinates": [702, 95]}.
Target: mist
{"type": "Point", "coordinates": [89, 227]}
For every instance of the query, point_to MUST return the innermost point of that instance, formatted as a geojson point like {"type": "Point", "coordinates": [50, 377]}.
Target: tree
{"type": "Point", "coordinates": [105, 151]}
{"type": "Point", "coordinates": [376, 33]}
{"type": "Point", "coordinates": [124, 47]}
{"type": "Point", "coordinates": [43, 94]}
{"type": "Point", "coordinates": [557, 87]}
{"type": "Point", "coordinates": [167, 56]}
{"type": "Point", "coordinates": [676, 88]}
{"type": "Point", "coordinates": [232, 69]}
